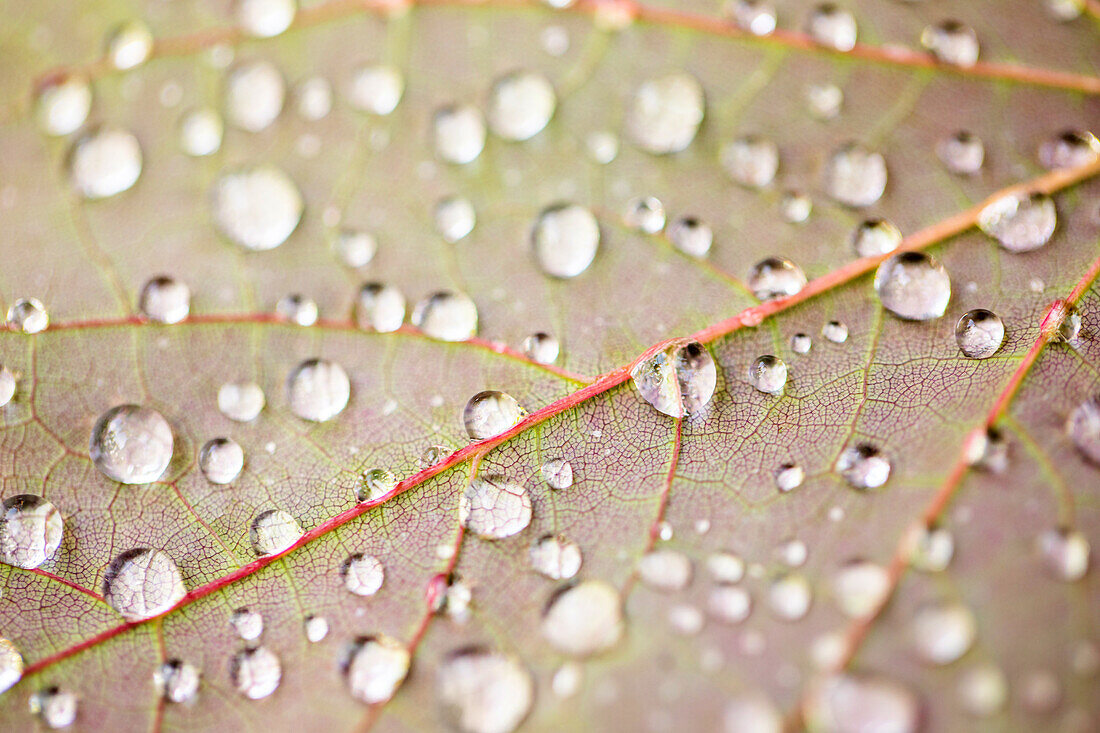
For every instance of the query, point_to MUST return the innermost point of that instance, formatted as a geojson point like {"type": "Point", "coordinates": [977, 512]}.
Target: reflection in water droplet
{"type": "Point", "coordinates": [729, 604]}
{"type": "Point", "coordinates": [380, 307]}
{"type": "Point", "coordinates": [751, 161]}
{"type": "Point", "coordinates": [375, 89]}
{"type": "Point", "coordinates": [980, 333]}
{"type": "Point", "coordinates": [273, 531]}
{"type": "Point", "coordinates": [584, 619]}
{"type": "Point", "coordinates": [768, 374]}
{"type": "Point", "coordinates": [665, 113]}
{"type": "Point", "coordinates": [556, 557]}
{"type": "Point", "coordinates": [316, 628]}
{"type": "Point", "coordinates": [104, 163]}
{"type": "Point", "coordinates": [177, 681]}
{"type": "Point", "coordinates": [860, 587]}
{"type": "Point", "coordinates": [221, 460]}
{"type": "Point", "coordinates": [541, 347]}
{"type": "Point", "coordinates": [490, 413]}
{"type": "Point", "coordinates": [846, 703]}
{"type": "Point", "coordinates": [665, 569]}
{"type": "Point", "coordinates": [492, 507]}
{"type": "Point", "coordinates": [254, 96]}
{"type": "Point", "coordinates": [241, 401]}
{"type": "Point", "coordinates": [265, 18]}
{"type": "Point", "coordinates": [459, 133]}
{"type": "Point", "coordinates": [646, 214]}
{"type": "Point", "coordinates": [565, 238]}
{"type": "Point", "coordinates": [789, 596]}
{"type": "Point", "coordinates": [482, 691]}
{"type": "Point", "coordinates": [31, 529]}
{"type": "Point", "coordinates": [355, 248]}
{"type": "Point", "coordinates": [1021, 223]}
{"type": "Point", "coordinates": [363, 574]}
{"type": "Point", "coordinates": [832, 26]}
{"type": "Point", "coordinates": [943, 632]}
{"type": "Point", "coordinates": [375, 668]}
{"type": "Point", "coordinates": [258, 208]}
{"type": "Point", "coordinates": [376, 483]}
{"type": "Point", "coordinates": [795, 207]}
{"type": "Point", "coordinates": [142, 583]}
{"type": "Point", "coordinates": [165, 300]}
{"type": "Point", "coordinates": [863, 466]}
{"type": "Point", "coordinates": [789, 476]}
{"type": "Point", "coordinates": [951, 42]}
{"type": "Point", "coordinates": [318, 390]}
{"type": "Point", "coordinates": [447, 316]}
{"type": "Point", "coordinates": [131, 444]}
{"type": "Point", "coordinates": [129, 45]}
{"type": "Point", "coordinates": [454, 218]}
{"type": "Point", "coordinates": [677, 381]}
{"type": "Point", "coordinates": [855, 176]}
{"type": "Point", "coordinates": [691, 236]}
{"type": "Point", "coordinates": [520, 105]}
{"type": "Point", "coordinates": [56, 707]}
{"type": "Point", "coordinates": [298, 309]}
{"type": "Point", "coordinates": [913, 286]}
{"type": "Point", "coordinates": [1069, 149]}
{"type": "Point", "coordinates": [247, 623]}
{"type": "Point", "coordinates": [983, 690]}
{"type": "Point", "coordinates": [930, 549]}
{"type": "Point", "coordinates": [201, 132]}
{"type": "Point", "coordinates": [1083, 428]}
{"type": "Point", "coordinates": [962, 153]}
{"type": "Point", "coordinates": [835, 331]}
{"type": "Point", "coordinates": [801, 343]}
{"type": "Point", "coordinates": [755, 16]}
{"type": "Point", "coordinates": [1065, 552]}
{"type": "Point", "coordinates": [255, 673]}
{"type": "Point", "coordinates": [11, 665]}
{"type": "Point", "coordinates": [557, 474]}
{"type": "Point", "coordinates": [775, 277]}
{"type": "Point", "coordinates": [62, 105]}
{"type": "Point", "coordinates": [875, 237]}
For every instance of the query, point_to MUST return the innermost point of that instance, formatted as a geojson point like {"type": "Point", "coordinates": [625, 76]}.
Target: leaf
{"type": "Point", "coordinates": [491, 641]}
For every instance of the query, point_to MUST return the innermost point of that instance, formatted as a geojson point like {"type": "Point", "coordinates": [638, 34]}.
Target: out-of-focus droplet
{"type": "Point", "coordinates": [482, 691]}
{"type": "Point", "coordinates": [57, 708]}
{"type": "Point", "coordinates": [318, 390]}
{"type": "Point", "coordinates": [376, 666]}
{"type": "Point", "coordinates": [951, 42]}
{"type": "Point", "coordinates": [447, 316]}
{"type": "Point", "coordinates": [665, 113]}
{"type": "Point", "coordinates": [355, 248]}
{"type": "Point", "coordinates": [930, 549]}
{"type": "Point", "coordinates": [165, 300]}
{"type": "Point", "coordinates": [875, 237]}
{"type": "Point", "coordinates": [855, 176]}
{"type": "Point", "coordinates": [177, 681]}
{"type": "Point", "coordinates": [645, 214]}
{"type": "Point", "coordinates": [258, 208]}
{"type": "Point", "coordinates": [691, 236]}
{"type": "Point", "coordinates": [789, 476]}
{"type": "Point", "coordinates": [316, 628]}
{"type": "Point", "coordinates": [768, 374]}
{"type": "Point", "coordinates": [775, 277]}
{"type": "Point", "coordinates": [751, 713]}
{"type": "Point", "coordinates": [454, 218]}
{"type": "Point", "coordinates": [375, 89]}
{"type": "Point", "coordinates": [665, 569]}
{"type": "Point", "coordinates": [729, 604]}
{"type": "Point", "coordinates": [846, 703]}
{"type": "Point", "coordinates": [602, 146]}
{"type": "Point", "coordinates": [520, 105]}
{"type": "Point", "coordinates": [221, 460]}
{"type": "Point", "coordinates": [273, 531]}
{"type": "Point", "coordinates": [62, 104]}
{"type": "Point", "coordinates": [8, 385]}
{"type": "Point", "coordinates": [980, 333]}
{"type": "Point", "coordinates": [565, 238]}
{"type": "Point", "coordinates": [962, 153]}
{"type": "Point", "coordinates": [1069, 149]}
{"type": "Point", "coordinates": [493, 507]}
{"type": "Point", "coordinates": [105, 163]}
{"type": "Point", "coordinates": [860, 587]}
{"type": "Point", "coordinates": [725, 567]}
{"type": "Point", "coordinates": [380, 307]}
{"type": "Point", "coordinates": [129, 45]}
{"type": "Point", "coordinates": [789, 596]}
{"type": "Point", "coordinates": [131, 444]}
{"type": "Point", "coordinates": [1083, 428]}
{"type": "Point", "coordinates": [988, 451]}
{"type": "Point", "coordinates": [751, 160]}
{"type": "Point", "coordinates": [584, 619]}
{"type": "Point", "coordinates": [824, 101]}
{"type": "Point", "coordinates": [557, 473]}
{"type": "Point", "coordinates": [832, 26]}
{"type": "Point", "coordinates": [801, 343]}
{"type": "Point", "coordinates": [28, 315]}
{"type": "Point", "coordinates": [943, 631]}
{"type": "Point", "coordinates": [541, 347]}
{"type": "Point", "coordinates": [31, 529]}
{"type": "Point", "coordinates": [835, 331]}
{"type": "Point", "coordinates": [556, 557]}
{"type": "Point", "coordinates": [983, 690]}
{"type": "Point", "coordinates": [143, 583]}
{"type": "Point", "coordinates": [241, 401]}
{"type": "Point", "coordinates": [265, 18]}
{"type": "Point", "coordinates": [678, 381]}
{"type": "Point", "coordinates": [254, 96]}
{"type": "Point", "coordinates": [298, 309]}
{"type": "Point", "coordinates": [363, 574]}
{"type": "Point", "coordinates": [313, 98]}
{"type": "Point", "coordinates": [201, 132]}
{"type": "Point", "coordinates": [1065, 552]}
{"type": "Point", "coordinates": [913, 286]}
{"type": "Point", "coordinates": [863, 466]}
{"type": "Point", "coordinates": [795, 207]}
{"type": "Point", "coordinates": [1064, 11]}
{"type": "Point", "coordinates": [248, 624]}
{"type": "Point", "coordinates": [1021, 223]}
{"type": "Point", "coordinates": [755, 16]}
{"type": "Point", "coordinates": [459, 133]}
{"type": "Point", "coordinates": [256, 672]}
{"type": "Point", "coordinates": [490, 413]}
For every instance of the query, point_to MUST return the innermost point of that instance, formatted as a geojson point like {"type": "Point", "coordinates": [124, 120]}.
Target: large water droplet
{"type": "Point", "coordinates": [62, 105]}
{"type": "Point", "coordinates": [863, 466]}
{"type": "Point", "coordinates": [273, 531]}
{"type": "Point", "coordinates": [56, 707]}
{"type": "Point", "coordinates": [131, 444]}
{"type": "Point", "coordinates": [943, 632]}
{"type": "Point", "coordinates": [521, 105]}
{"type": "Point", "coordinates": [848, 703]}
{"type": "Point", "coordinates": [11, 665]}
{"type": "Point", "coordinates": [666, 113]}
{"type": "Point", "coordinates": [258, 208]}
{"type": "Point", "coordinates": [459, 133]}
{"type": "Point", "coordinates": [755, 16]}
{"type": "Point", "coordinates": [584, 619]}
{"type": "Point", "coordinates": [913, 286]}
{"type": "Point", "coordinates": [1083, 428]}
{"type": "Point", "coordinates": [1021, 223]}
{"type": "Point", "coordinates": [241, 401]}
{"type": "Point", "coordinates": [1065, 552]}
{"type": "Point", "coordinates": [875, 237]}
{"type": "Point", "coordinates": [201, 132]}
{"type": "Point", "coordinates": [789, 596]}
{"type": "Point", "coordinates": [962, 153]}
{"type": "Point", "coordinates": [30, 531]}
{"type": "Point", "coordinates": [768, 374]}
{"type": "Point", "coordinates": [556, 557]}
{"type": "Point", "coordinates": [951, 42]}
{"type": "Point", "coordinates": [665, 569]}
{"type": "Point", "coordinates": [143, 583]}
{"type": "Point", "coordinates": [751, 161]}
{"type": "Point", "coordinates": [482, 691]}
{"type": "Point", "coordinates": [221, 460]}
{"type": "Point", "coordinates": [492, 507]}
{"type": "Point", "coordinates": [363, 574]}
{"type": "Point", "coordinates": [380, 307]}
{"type": "Point", "coordinates": [318, 390]}
{"type": "Point", "coordinates": [104, 163]}
{"type": "Point", "coordinates": [177, 681]}
{"type": "Point", "coordinates": [557, 473]}
{"type": "Point", "coordinates": [165, 300]}
{"type": "Point", "coordinates": [980, 333]}
{"type": "Point", "coordinates": [1069, 149]}
{"type": "Point", "coordinates": [855, 176]}
{"type": "Point", "coordinates": [254, 96]}
{"type": "Point", "coordinates": [375, 668]}
{"type": "Point", "coordinates": [375, 89]}
{"type": "Point", "coordinates": [565, 238]}
{"type": "Point", "coordinates": [691, 236]}
{"type": "Point", "coordinates": [775, 277]}
{"type": "Point", "coordinates": [265, 18]}
{"type": "Point", "coordinates": [454, 218]}
{"type": "Point", "coordinates": [860, 587]}
{"type": "Point", "coordinates": [490, 413]}
{"type": "Point", "coordinates": [542, 347]}
{"type": "Point", "coordinates": [677, 381]}
{"type": "Point", "coordinates": [832, 26]}
{"type": "Point", "coordinates": [255, 673]}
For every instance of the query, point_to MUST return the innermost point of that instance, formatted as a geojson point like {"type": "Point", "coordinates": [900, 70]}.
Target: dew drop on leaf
{"type": "Point", "coordinates": [755, 16]}
{"type": "Point", "coordinates": [602, 146]}
{"type": "Point", "coordinates": [201, 132]}
{"type": "Point", "coordinates": [795, 207]}
{"type": "Point", "coordinates": [557, 473]}
{"type": "Point", "coordinates": [824, 101]}
{"type": "Point", "coordinates": [316, 628]}
{"type": "Point", "coordinates": [432, 455]}
{"type": "Point", "coordinates": [875, 237]}
{"type": "Point", "coordinates": [860, 587]}
{"type": "Point", "coordinates": [788, 477]}
{"type": "Point", "coordinates": [131, 444]}
{"type": "Point", "coordinates": [31, 529]}
{"type": "Point", "coordinates": [490, 413]}
{"type": "Point", "coordinates": [665, 113]}
{"type": "Point", "coordinates": [943, 631]}
{"type": "Point", "coordinates": [255, 673]}
{"type": "Point", "coordinates": [482, 691]}
{"type": "Point", "coordinates": [520, 105]}
{"type": "Point", "coordinates": [584, 619]}
{"type": "Point", "coordinates": [913, 286]}
{"type": "Point", "coordinates": [247, 623]}
{"type": "Point", "coordinates": [565, 238]}
{"type": "Point", "coordinates": [846, 703]}
{"type": "Point", "coordinates": [685, 619]}
{"type": "Point", "coordinates": [691, 235]}
{"type": "Point", "coordinates": [835, 331]}
{"type": "Point", "coordinates": [775, 277]}
{"type": "Point", "coordinates": [751, 161]}
{"type": "Point", "coordinates": [254, 96]}
{"type": "Point", "coordinates": [165, 300]}
{"type": "Point", "coordinates": [983, 690]}
{"type": "Point", "coordinates": [665, 569]}
{"type": "Point", "coordinates": [298, 309]}
{"type": "Point", "coordinates": [1064, 10]}
{"type": "Point", "coordinates": [1069, 331]}
{"type": "Point", "coordinates": [241, 401]}
{"type": "Point", "coordinates": [221, 460]}
{"type": "Point", "coordinates": [930, 549]}
{"type": "Point", "coordinates": [492, 507]}
{"type": "Point", "coordinates": [980, 333]}
{"type": "Point", "coordinates": [725, 567]}
{"type": "Point", "coordinates": [1020, 222]}
{"type": "Point", "coordinates": [677, 381]}
{"type": "Point", "coordinates": [567, 679]}
{"type": "Point", "coordinates": [645, 214]}
{"type": "Point", "coordinates": [28, 315]}
{"type": "Point", "coordinates": [454, 218]}
{"type": "Point", "coordinates": [273, 531]}
{"type": "Point", "coordinates": [962, 153]}
{"type": "Point", "coordinates": [363, 574]}
{"type": "Point", "coordinates": [789, 596]}
{"type": "Point", "coordinates": [446, 315]}
{"type": "Point", "coordinates": [1069, 149]}
{"type": "Point", "coordinates": [988, 451]}
{"type": "Point", "coordinates": [801, 343]}
{"type": "Point", "coordinates": [541, 347]}
{"type": "Point", "coordinates": [375, 89]}
{"type": "Point", "coordinates": [1083, 428]}
{"type": "Point", "coordinates": [458, 133]}
{"type": "Point", "coordinates": [129, 45]}
{"type": "Point", "coordinates": [8, 385]}
{"type": "Point", "coordinates": [379, 307]}
{"type": "Point", "coordinates": [355, 248]}
{"type": "Point", "coordinates": [142, 583]}
{"type": "Point", "coordinates": [177, 681]}
{"type": "Point", "coordinates": [1065, 552]}
{"type": "Point", "coordinates": [855, 176]}
{"type": "Point", "coordinates": [318, 390]}
{"type": "Point", "coordinates": [56, 707]}
{"type": "Point", "coordinates": [265, 18]}
{"type": "Point", "coordinates": [62, 105]}
{"type": "Point", "coordinates": [863, 466]}
{"type": "Point", "coordinates": [313, 98]}
{"type": "Point", "coordinates": [768, 374]}
{"type": "Point", "coordinates": [832, 26]}
{"type": "Point", "coordinates": [556, 557]}
{"type": "Point", "coordinates": [951, 42]}
{"type": "Point", "coordinates": [258, 208]}
{"type": "Point", "coordinates": [729, 604]}
{"type": "Point", "coordinates": [104, 163]}
{"type": "Point", "coordinates": [376, 666]}
{"type": "Point", "coordinates": [11, 665]}
{"type": "Point", "coordinates": [376, 483]}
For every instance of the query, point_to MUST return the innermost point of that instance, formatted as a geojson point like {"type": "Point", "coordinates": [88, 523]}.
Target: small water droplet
{"type": "Point", "coordinates": [1021, 223]}
{"type": "Point", "coordinates": [557, 473]}
{"type": "Point", "coordinates": [725, 567]}
{"type": "Point", "coordinates": [556, 557]}
{"type": "Point", "coordinates": [554, 40]}
{"type": "Point", "coordinates": [62, 105]}
{"type": "Point", "coordinates": [755, 16]}
{"type": "Point", "coordinates": [602, 146]}
{"type": "Point", "coordinates": [265, 18]}
{"type": "Point", "coordinates": [962, 153]}
{"type": "Point", "coordinates": [273, 531]}
{"type": "Point", "coordinates": [177, 681]}
{"type": "Point", "coordinates": [913, 286]}
{"type": "Point", "coordinates": [1083, 428]}
{"type": "Point", "coordinates": [768, 374]}
{"type": "Point", "coordinates": [752, 713]}
{"type": "Point", "coordinates": [104, 163]}
{"type": "Point", "coordinates": [459, 133]}
{"type": "Point", "coordinates": [875, 237]}
{"type": "Point", "coordinates": [824, 101]}
{"type": "Point", "coordinates": [1069, 149]}
{"type": "Point", "coordinates": [432, 455]}
{"type": "Point", "coordinates": [845, 703]}
{"type": "Point", "coordinates": [665, 113]}
{"type": "Point", "coordinates": [751, 160]}
{"type": "Point", "coordinates": [775, 277]}
{"type": "Point", "coordinates": [363, 574]}
{"type": "Point", "coordinates": [31, 529]}
{"type": "Point", "coordinates": [789, 596]}
{"type": "Point", "coordinates": [482, 691]}
{"type": "Point", "coordinates": [645, 214]}
{"type": "Point", "coordinates": [665, 569]}
{"type": "Point", "coordinates": [318, 390]}
{"type": "Point", "coordinates": [793, 553]}
{"type": "Point", "coordinates": [983, 690]}
{"type": "Point", "coordinates": [11, 665]}
{"type": "Point", "coordinates": [795, 207]}
{"type": "Point", "coordinates": [980, 333]}
{"type": "Point", "coordinates": [313, 98]}
{"type": "Point", "coordinates": [567, 679]}
{"type": "Point", "coordinates": [221, 460]}
{"type": "Point", "coordinates": [832, 26]}
{"type": "Point", "coordinates": [248, 624]}
{"type": "Point", "coordinates": [380, 307]}
{"type": "Point", "coordinates": [143, 583]}
{"type": "Point", "coordinates": [863, 466]}
{"type": "Point", "coordinates": [254, 96]}
{"type": "Point", "coordinates": [691, 235]}
{"type": "Point", "coordinates": [789, 476]}
{"type": "Point", "coordinates": [355, 248]}
{"type": "Point", "coordinates": [835, 331]}
{"type": "Point", "coordinates": [454, 218]}
{"type": "Point", "coordinates": [1065, 552]}
{"type": "Point", "coordinates": [165, 300]}
{"type": "Point", "coordinates": [855, 176]}
{"type": "Point", "coordinates": [28, 315]}
{"type": "Point", "coordinates": [131, 444]}
{"type": "Point", "coordinates": [56, 707]}
{"type": "Point", "coordinates": [520, 105]}
{"type": "Point", "coordinates": [729, 604]}
{"type": "Point", "coordinates": [241, 401]}
{"type": "Point", "coordinates": [860, 588]}
{"type": "Point", "coordinates": [447, 316]}
{"type": "Point", "coordinates": [1064, 11]}
{"type": "Point", "coordinates": [686, 620]}
{"type": "Point", "coordinates": [584, 619]}
{"type": "Point", "coordinates": [930, 549]}
{"type": "Point", "coordinates": [376, 90]}
{"type": "Point", "coordinates": [951, 42]}
{"type": "Point", "coordinates": [677, 381]}
{"type": "Point", "coordinates": [201, 132]}
{"type": "Point", "coordinates": [258, 208]}
{"type": "Point", "coordinates": [297, 309]}
{"type": "Point", "coordinates": [375, 667]}
{"type": "Point", "coordinates": [376, 483]}
{"type": "Point", "coordinates": [492, 507]}
{"type": "Point", "coordinates": [1069, 331]}
{"type": "Point", "coordinates": [129, 44]}
{"type": "Point", "coordinates": [565, 238]}
{"type": "Point", "coordinates": [943, 631]}
{"type": "Point", "coordinates": [801, 343]}
{"type": "Point", "coordinates": [316, 628]}
{"type": "Point", "coordinates": [541, 347]}
{"type": "Point", "coordinates": [490, 413]}
{"type": "Point", "coordinates": [255, 673]}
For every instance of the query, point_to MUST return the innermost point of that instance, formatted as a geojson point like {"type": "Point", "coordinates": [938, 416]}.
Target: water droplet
{"type": "Point", "coordinates": [775, 277]}
{"type": "Point", "coordinates": [789, 477]}
{"type": "Point", "coordinates": [143, 583]}
{"type": "Point", "coordinates": [1065, 552]}
{"type": "Point", "coordinates": [131, 444]}
{"type": "Point", "coordinates": [28, 315]}
{"type": "Point", "coordinates": [376, 666]}
{"type": "Point", "coordinates": [863, 466]}
{"type": "Point", "coordinates": [943, 632]}
{"type": "Point", "coordinates": [201, 132]}
{"type": "Point", "coordinates": [221, 460]}
{"type": "Point", "coordinates": [677, 381]}
{"type": "Point", "coordinates": [104, 163]}
{"type": "Point", "coordinates": [1069, 149]}
{"type": "Point", "coordinates": [258, 208]}
{"type": "Point", "coordinates": [318, 390]}
{"type": "Point", "coordinates": [1083, 428]}
{"type": "Point", "coordinates": [980, 333]}
{"type": "Point", "coordinates": [752, 713]}
{"type": "Point", "coordinates": [751, 160]}
{"type": "Point", "coordinates": [646, 214]}
{"type": "Point", "coordinates": [846, 703]}
{"type": "Point", "coordinates": [11, 665]}
{"type": "Point", "coordinates": [557, 474]}
{"type": "Point", "coordinates": [729, 604]}
{"type": "Point", "coordinates": [241, 401]}
{"type": "Point", "coordinates": [380, 307]}
{"type": "Point", "coordinates": [273, 531]}
{"type": "Point", "coordinates": [129, 45]}
{"type": "Point", "coordinates": [8, 385]}
{"type": "Point", "coordinates": [541, 347]}
{"type": "Point", "coordinates": [602, 146]}
{"type": "Point", "coordinates": [30, 531]}
{"type": "Point", "coordinates": [567, 679]}
{"type": "Point", "coordinates": [313, 97]}
{"type": "Point", "coordinates": [691, 236]}
{"type": "Point", "coordinates": [482, 691]}
{"type": "Point", "coordinates": [248, 624]}
{"type": "Point", "coordinates": [376, 89]}
{"type": "Point", "coordinates": [316, 628]}
{"type": "Point", "coordinates": [913, 286]}
{"type": "Point", "coordinates": [165, 300]}
{"type": "Point", "coordinates": [951, 42]}
{"type": "Point", "coordinates": [520, 105]}
{"type": "Point", "coordinates": [1021, 223]}
{"type": "Point", "coordinates": [855, 176]}
{"type": "Point", "coordinates": [459, 132]}
{"type": "Point", "coordinates": [265, 18]}
{"type": "Point", "coordinates": [860, 588]}
{"type": "Point", "coordinates": [875, 237]}
{"type": "Point", "coordinates": [835, 331]}
{"type": "Point", "coordinates": [768, 374]}
{"type": "Point", "coordinates": [432, 455]}
{"type": "Point", "coordinates": [492, 507]}
{"type": "Point", "coordinates": [962, 153]}
{"type": "Point", "coordinates": [789, 596]}
{"type": "Point", "coordinates": [1041, 691]}
{"type": "Point", "coordinates": [56, 707]}
{"type": "Point", "coordinates": [685, 619]}
{"type": "Point", "coordinates": [930, 548]}
{"type": "Point", "coordinates": [565, 238]}
{"type": "Point", "coordinates": [832, 26]}
{"type": "Point", "coordinates": [254, 96]}
{"type": "Point", "coordinates": [668, 570]}
{"type": "Point", "coordinates": [793, 553]}
{"type": "Point", "coordinates": [795, 207]}
{"type": "Point", "coordinates": [666, 112]}
{"type": "Point", "coordinates": [62, 105]}
{"type": "Point", "coordinates": [556, 557]}
{"type": "Point", "coordinates": [725, 567]}
{"type": "Point", "coordinates": [363, 574]}
{"type": "Point", "coordinates": [584, 619]}
{"type": "Point", "coordinates": [824, 101]}
{"type": "Point", "coordinates": [447, 316]}
{"type": "Point", "coordinates": [490, 413]}
{"type": "Point", "coordinates": [755, 16]}
{"type": "Point", "coordinates": [376, 483]}
{"type": "Point", "coordinates": [801, 343]}
{"type": "Point", "coordinates": [983, 690]}
{"type": "Point", "coordinates": [298, 309]}
{"type": "Point", "coordinates": [1064, 10]}
{"type": "Point", "coordinates": [355, 248]}
{"type": "Point", "coordinates": [454, 218]}
{"type": "Point", "coordinates": [1069, 331]}
{"type": "Point", "coordinates": [255, 673]}
{"type": "Point", "coordinates": [177, 681]}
